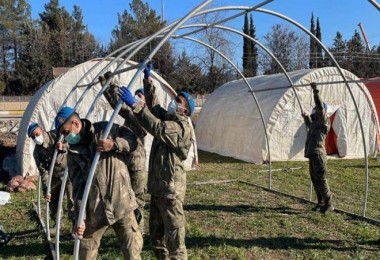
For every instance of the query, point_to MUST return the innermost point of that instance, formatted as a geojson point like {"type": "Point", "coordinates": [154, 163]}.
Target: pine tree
{"type": "Point", "coordinates": [356, 55]}
{"type": "Point", "coordinates": [253, 62]}
{"type": "Point", "coordinates": [312, 63]}
{"type": "Point", "coordinates": [246, 47]}
{"type": "Point", "coordinates": [318, 49]}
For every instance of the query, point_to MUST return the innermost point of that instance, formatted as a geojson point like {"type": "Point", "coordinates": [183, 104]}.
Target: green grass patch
{"type": "Point", "coordinates": [235, 220]}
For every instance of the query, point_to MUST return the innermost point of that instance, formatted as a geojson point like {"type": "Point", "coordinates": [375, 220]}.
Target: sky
{"type": "Point", "coordinates": [334, 15]}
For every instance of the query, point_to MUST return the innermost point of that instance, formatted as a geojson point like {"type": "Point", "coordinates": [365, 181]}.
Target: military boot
{"type": "Point", "coordinates": [327, 207]}
{"type": "Point", "coordinates": [319, 204]}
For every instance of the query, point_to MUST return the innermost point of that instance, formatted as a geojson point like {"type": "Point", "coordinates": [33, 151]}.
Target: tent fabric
{"type": "Point", "coordinates": [230, 124]}
{"type": "Point", "coordinates": [46, 102]}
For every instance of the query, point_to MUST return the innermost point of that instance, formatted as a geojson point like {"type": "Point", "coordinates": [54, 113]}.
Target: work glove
{"type": "Point", "coordinates": [126, 95]}
{"type": "Point", "coordinates": [103, 79]}
{"type": "Point", "coordinates": [147, 70]}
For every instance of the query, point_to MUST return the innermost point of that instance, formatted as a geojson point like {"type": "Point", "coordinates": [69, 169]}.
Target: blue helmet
{"type": "Point", "coordinates": [62, 116]}
{"type": "Point", "coordinates": [140, 90]}
{"type": "Point", "coordinates": [31, 128]}
{"type": "Point", "coordinates": [190, 100]}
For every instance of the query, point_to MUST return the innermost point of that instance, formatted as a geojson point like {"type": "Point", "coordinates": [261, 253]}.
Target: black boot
{"type": "Point", "coordinates": [327, 207]}
{"type": "Point", "coordinates": [319, 204]}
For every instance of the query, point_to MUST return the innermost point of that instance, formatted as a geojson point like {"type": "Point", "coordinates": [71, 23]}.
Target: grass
{"type": "Point", "coordinates": [235, 220]}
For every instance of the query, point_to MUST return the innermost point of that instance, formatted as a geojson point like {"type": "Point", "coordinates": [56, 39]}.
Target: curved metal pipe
{"type": "Point", "coordinates": [349, 90]}
{"type": "Point", "coordinates": [59, 211]}
{"type": "Point", "coordinates": [250, 88]}
{"type": "Point", "coordinates": [116, 112]}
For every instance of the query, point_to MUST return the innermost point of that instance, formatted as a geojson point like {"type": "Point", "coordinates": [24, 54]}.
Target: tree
{"type": "Point", "coordinates": [338, 50]}
{"type": "Point", "coordinates": [188, 75]}
{"type": "Point", "coordinates": [356, 55]}
{"type": "Point", "coordinates": [246, 46]}
{"type": "Point", "coordinates": [249, 49]}
{"type": "Point", "coordinates": [216, 69]}
{"type": "Point", "coordinates": [312, 51]}
{"type": "Point", "coordinates": [13, 15]}
{"type": "Point", "coordinates": [253, 62]}
{"type": "Point", "coordinates": [318, 48]}
{"type": "Point", "coordinates": [141, 23]}
{"type": "Point", "coordinates": [287, 47]}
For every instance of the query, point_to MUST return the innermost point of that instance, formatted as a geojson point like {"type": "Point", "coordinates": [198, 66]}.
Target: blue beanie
{"type": "Point", "coordinates": [62, 116]}
{"type": "Point", "coordinates": [140, 90]}
{"type": "Point", "coordinates": [190, 100]}
{"type": "Point", "coordinates": [31, 128]}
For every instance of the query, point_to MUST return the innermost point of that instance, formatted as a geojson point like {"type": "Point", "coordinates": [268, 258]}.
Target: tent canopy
{"type": "Point", "coordinates": [230, 123]}
{"type": "Point", "coordinates": [45, 104]}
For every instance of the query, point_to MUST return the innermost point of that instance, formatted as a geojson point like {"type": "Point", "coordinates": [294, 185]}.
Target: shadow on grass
{"type": "Point", "coordinates": [241, 209]}
{"type": "Point", "coordinates": [208, 157]}
{"type": "Point", "coordinates": [30, 251]}
{"type": "Point", "coordinates": [274, 243]}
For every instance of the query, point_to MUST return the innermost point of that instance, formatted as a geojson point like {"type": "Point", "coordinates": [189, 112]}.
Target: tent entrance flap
{"type": "Point", "coordinates": [331, 139]}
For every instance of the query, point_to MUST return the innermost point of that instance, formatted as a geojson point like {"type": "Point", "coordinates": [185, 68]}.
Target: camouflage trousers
{"type": "Point", "coordinates": [318, 172]}
{"type": "Point", "coordinates": [139, 180]}
{"type": "Point", "coordinates": [167, 228]}
{"type": "Point", "coordinates": [127, 233]}
{"type": "Point", "coordinates": [55, 190]}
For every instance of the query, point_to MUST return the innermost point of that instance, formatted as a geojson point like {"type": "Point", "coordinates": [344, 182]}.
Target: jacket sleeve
{"type": "Point", "coordinates": [307, 120]}
{"type": "Point", "coordinates": [168, 132]}
{"type": "Point", "coordinates": [318, 104]}
{"type": "Point", "coordinates": [151, 99]}
{"type": "Point", "coordinates": [124, 139]}
{"type": "Point", "coordinates": [111, 95]}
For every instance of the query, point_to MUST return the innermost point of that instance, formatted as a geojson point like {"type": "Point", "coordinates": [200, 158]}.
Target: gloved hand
{"type": "Point", "coordinates": [126, 95]}
{"type": "Point", "coordinates": [313, 85]}
{"type": "Point", "coordinates": [102, 80]}
{"type": "Point", "coordinates": [108, 75]}
{"type": "Point", "coordinates": [147, 70]}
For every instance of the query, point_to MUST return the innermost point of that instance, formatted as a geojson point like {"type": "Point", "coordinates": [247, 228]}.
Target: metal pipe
{"type": "Point", "coordinates": [58, 219]}
{"type": "Point", "coordinates": [375, 4]}
{"type": "Point", "coordinates": [253, 95]}
{"type": "Point", "coordinates": [116, 112]}
{"type": "Point", "coordinates": [349, 90]}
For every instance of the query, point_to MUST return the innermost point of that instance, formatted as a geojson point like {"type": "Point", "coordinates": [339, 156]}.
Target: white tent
{"type": "Point", "coordinates": [230, 124]}
{"type": "Point", "coordinates": [45, 104]}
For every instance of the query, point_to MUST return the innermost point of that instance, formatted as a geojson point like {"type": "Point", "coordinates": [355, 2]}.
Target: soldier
{"type": "Point", "coordinates": [137, 159]}
{"type": "Point", "coordinates": [111, 200]}
{"type": "Point", "coordinates": [43, 154]}
{"type": "Point", "coordinates": [317, 125]}
{"type": "Point", "coordinates": [166, 174]}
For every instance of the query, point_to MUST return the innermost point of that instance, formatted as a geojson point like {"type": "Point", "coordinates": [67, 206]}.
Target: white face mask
{"type": "Point", "coordinates": [39, 140]}
{"type": "Point", "coordinates": [137, 98]}
{"type": "Point", "coordinates": [173, 106]}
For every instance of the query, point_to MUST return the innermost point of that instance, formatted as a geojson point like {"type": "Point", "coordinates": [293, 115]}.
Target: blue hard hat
{"type": "Point", "coordinates": [62, 116]}
{"type": "Point", "coordinates": [190, 100]}
{"type": "Point", "coordinates": [31, 128]}
{"type": "Point", "coordinates": [140, 90]}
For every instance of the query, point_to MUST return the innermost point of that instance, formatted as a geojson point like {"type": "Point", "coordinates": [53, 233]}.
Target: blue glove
{"type": "Point", "coordinates": [126, 95]}
{"type": "Point", "coordinates": [147, 70]}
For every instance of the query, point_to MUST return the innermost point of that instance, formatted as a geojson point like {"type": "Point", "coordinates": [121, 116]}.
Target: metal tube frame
{"type": "Point", "coordinates": [116, 112]}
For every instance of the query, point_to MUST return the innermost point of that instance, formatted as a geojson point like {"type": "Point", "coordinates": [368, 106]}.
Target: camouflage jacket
{"type": "Point", "coordinates": [171, 144]}
{"type": "Point", "coordinates": [43, 155]}
{"type": "Point", "coordinates": [111, 191]}
{"type": "Point", "coordinates": [136, 159]}
{"type": "Point", "coordinates": [317, 126]}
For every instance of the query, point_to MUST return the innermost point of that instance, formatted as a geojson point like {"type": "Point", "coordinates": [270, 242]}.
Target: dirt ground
{"type": "Point", "coordinates": [7, 147]}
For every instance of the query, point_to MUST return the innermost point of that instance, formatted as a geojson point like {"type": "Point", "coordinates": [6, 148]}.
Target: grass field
{"type": "Point", "coordinates": [236, 220]}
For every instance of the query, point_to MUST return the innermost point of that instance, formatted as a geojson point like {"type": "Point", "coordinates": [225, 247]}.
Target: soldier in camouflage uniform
{"type": "Point", "coordinates": [137, 159]}
{"type": "Point", "coordinates": [111, 201]}
{"type": "Point", "coordinates": [166, 174]}
{"type": "Point", "coordinates": [317, 125]}
{"type": "Point", "coordinates": [43, 154]}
